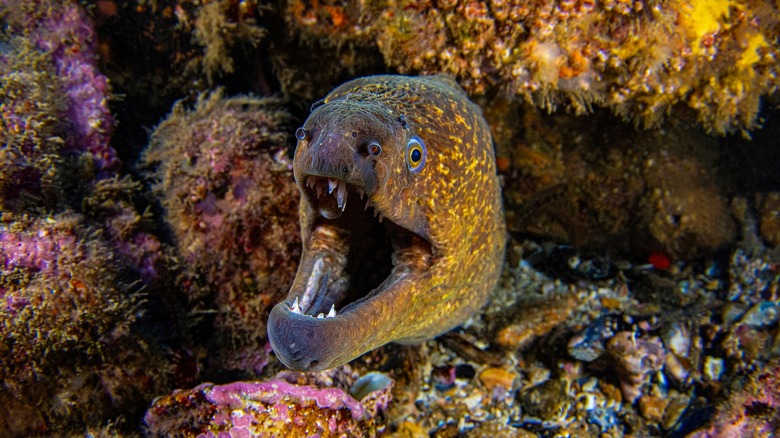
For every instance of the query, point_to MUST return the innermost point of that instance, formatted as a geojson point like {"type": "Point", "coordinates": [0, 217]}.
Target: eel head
{"type": "Point", "coordinates": [367, 247]}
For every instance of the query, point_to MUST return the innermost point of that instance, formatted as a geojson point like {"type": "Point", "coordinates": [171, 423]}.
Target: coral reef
{"type": "Point", "coordinates": [79, 265]}
{"type": "Point", "coordinates": [654, 243]}
{"type": "Point", "coordinates": [62, 34]}
{"type": "Point", "coordinates": [640, 59]}
{"type": "Point", "coordinates": [56, 121]}
{"type": "Point", "coordinates": [70, 354]}
{"type": "Point", "coordinates": [225, 181]}
{"type": "Point", "coordinates": [271, 408]}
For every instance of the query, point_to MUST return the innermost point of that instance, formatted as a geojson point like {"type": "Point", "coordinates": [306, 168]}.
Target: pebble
{"type": "Point", "coordinates": [713, 368]}
{"type": "Point", "coordinates": [653, 408]}
{"type": "Point", "coordinates": [494, 378]}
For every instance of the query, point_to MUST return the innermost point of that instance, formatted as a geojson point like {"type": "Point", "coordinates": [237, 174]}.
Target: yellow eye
{"type": "Point", "coordinates": [415, 154]}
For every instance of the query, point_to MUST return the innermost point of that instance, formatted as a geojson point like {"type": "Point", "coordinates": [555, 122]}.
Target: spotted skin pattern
{"type": "Point", "coordinates": [453, 203]}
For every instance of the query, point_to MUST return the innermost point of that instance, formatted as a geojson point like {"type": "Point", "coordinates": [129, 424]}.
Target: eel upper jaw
{"type": "Point", "coordinates": [354, 250]}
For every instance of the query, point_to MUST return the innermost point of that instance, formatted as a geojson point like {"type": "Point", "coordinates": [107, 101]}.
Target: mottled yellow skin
{"type": "Point", "coordinates": [453, 203]}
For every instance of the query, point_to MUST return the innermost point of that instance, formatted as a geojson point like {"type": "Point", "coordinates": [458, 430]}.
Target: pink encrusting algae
{"type": "Point", "coordinates": [270, 408]}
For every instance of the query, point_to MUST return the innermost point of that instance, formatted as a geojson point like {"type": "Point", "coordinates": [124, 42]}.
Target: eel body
{"type": "Point", "coordinates": [401, 220]}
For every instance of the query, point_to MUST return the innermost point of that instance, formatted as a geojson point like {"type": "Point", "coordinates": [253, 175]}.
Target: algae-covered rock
{"type": "Point", "coordinates": [270, 408]}
{"type": "Point", "coordinates": [224, 178]}
{"type": "Point", "coordinates": [598, 184]}
{"type": "Point", "coordinates": [70, 354]}
{"type": "Point", "coordinates": [640, 59]}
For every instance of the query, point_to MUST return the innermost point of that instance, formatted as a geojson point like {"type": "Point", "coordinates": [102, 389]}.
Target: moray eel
{"type": "Point", "coordinates": [401, 220]}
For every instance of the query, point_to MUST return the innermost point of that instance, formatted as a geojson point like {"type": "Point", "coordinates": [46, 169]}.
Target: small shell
{"type": "Point", "coordinates": [369, 383]}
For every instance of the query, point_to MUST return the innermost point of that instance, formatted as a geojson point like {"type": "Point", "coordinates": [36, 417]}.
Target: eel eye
{"type": "Point", "coordinates": [415, 154]}
{"type": "Point", "coordinates": [374, 149]}
{"type": "Point", "coordinates": [300, 134]}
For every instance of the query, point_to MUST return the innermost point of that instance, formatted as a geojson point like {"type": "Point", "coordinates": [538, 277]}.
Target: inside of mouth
{"type": "Point", "coordinates": [354, 251]}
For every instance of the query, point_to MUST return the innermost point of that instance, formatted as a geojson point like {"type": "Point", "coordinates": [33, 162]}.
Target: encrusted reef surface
{"type": "Point", "coordinates": [641, 59]}
{"type": "Point", "coordinates": [224, 179]}
{"type": "Point", "coordinates": [148, 218]}
{"type": "Point", "coordinates": [81, 271]}
{"type": "Point", "coordinates": [278, 407]}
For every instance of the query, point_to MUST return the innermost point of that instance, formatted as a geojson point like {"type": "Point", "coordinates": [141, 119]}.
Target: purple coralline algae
{"type": "Point", "coordinates": [271, 408]}
{"type": "Point", "coordinates": [57, 126]}
{"type": "Point", "coordinates": [63, 32]}
{"type": "Point", "coordinates": [69, 356]}
{"type": "Point", "coordinates": [75, 253]}
{"type": "Point", "coordinates": [224, 178]}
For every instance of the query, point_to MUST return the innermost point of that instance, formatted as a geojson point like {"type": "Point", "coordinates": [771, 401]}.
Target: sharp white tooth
{"type": "Point", "coordinates": [341, 195]}
{"type": "Point", "coordinates": [321, 316]}
{"type": "Point", "coordinates": [376, 212]}
{"type": "Point", "coordinates": [361, 193]}
{"type": "Point", "coordinates": [381, 216]}
{"type": "Point", "coordinates": [332, 311]}
{"type": "Point", "coordinates": [295, 307]}
{"type": "Point", "coordinates": [314, 282]}
{"type": "Point", "coordinates": [318, 187]}
{"type": "Point", "coordinates": [310, 181]}
{"type": "Point", "coordinates": [368, 203]}
{"type": "Point", "coordinates": [332, 184]}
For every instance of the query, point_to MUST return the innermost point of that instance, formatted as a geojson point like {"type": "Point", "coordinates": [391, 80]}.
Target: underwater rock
{"type": "Point", "coordinates": [547, 401]}
{"type": "Point", "coordinates": [636, 360]}
{"type": "Point", "coordinates": [270, 408]}
{"type": "Point", "coordinates": [642, 60]}
{"type": "Point", "coordinates": [589, 344]}
{"type": "Point", "coordinates": [753, 410]}
{"type": "Point", "coordinates": [71, 354]}
{"type": "Point", "coordinates": [224, 178]}
{"type": "Point", "coordinates": [63, 32]}
{"type": "Point", "coordinates": [56, 124]}
{"type": "Point", "coordinates": [537, 319]}
{"type": "Point", "coordinates": [111, 202]}
{"type": "Point", "coordinates": [770, 218]}
{"type": "Point", "coordinates": [77, 349]}
{"type": "Point", "coordinates": [31, 132]}
{"type": "Point", "coordinates": [598, 184]}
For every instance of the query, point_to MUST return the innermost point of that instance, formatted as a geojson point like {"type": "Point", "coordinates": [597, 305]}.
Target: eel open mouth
{"type": "Point", "coordinates": [354, 250]}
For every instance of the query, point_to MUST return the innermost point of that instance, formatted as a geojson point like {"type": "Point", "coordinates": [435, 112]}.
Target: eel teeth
{"type": "Point", "coordinates": [361, 193]}
{"type": "Point", "coordinates": [314, 285]}
{"type": "Point", "coordinates": [332, 184]}
{"type": "Point", "coordinates": [341, 195]}
{"type": "Point", "coordinates": [332, 311]}
{"type": "Point", "coordinates": [321, 316]}
{"type": "Point", "coordinates": [296, 308]}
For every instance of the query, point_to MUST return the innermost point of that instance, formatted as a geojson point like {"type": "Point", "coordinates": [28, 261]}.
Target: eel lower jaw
{"type": "Point", "coordinates": [307, 343]}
